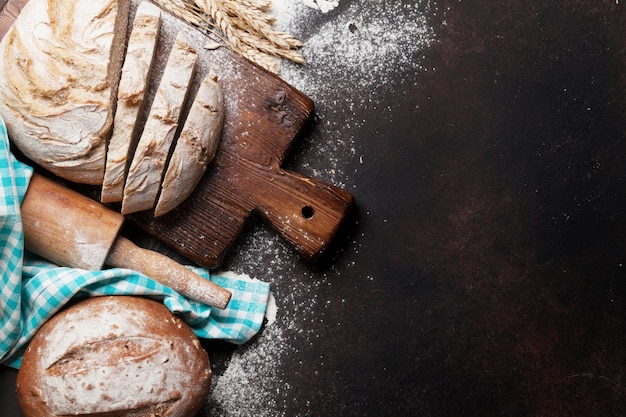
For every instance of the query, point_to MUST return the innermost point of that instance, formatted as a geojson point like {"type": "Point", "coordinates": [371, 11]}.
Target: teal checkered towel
{"type": "Point", "coordinates": [33, 289]}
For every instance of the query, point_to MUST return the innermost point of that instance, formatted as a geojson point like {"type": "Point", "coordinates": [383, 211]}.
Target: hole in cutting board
{"type": "Point", "coordinates": [308, 212]}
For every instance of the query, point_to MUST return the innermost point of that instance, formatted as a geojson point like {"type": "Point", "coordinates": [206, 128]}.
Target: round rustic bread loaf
{"type": "Point", "coordinates": [60, 64]}
{"type": "Point", "coordinates": [116, 356]}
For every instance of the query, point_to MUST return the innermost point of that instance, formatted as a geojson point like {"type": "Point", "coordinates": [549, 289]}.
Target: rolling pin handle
{"type": "Point", "coordinates": [125, 254]}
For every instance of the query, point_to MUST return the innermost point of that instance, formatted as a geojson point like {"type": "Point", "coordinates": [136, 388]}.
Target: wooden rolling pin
{"type": "Point", "coordinates": [70, 229]}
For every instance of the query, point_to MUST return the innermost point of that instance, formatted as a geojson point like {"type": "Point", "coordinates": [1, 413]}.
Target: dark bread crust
{"type": "Point", "coordinates": [115, 356]}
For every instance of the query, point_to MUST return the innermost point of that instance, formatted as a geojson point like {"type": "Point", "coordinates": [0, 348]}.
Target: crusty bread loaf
{"type": "Point", "coordinates": [59, 69]}
{"type": "Point", "coordinates": [130, 97]}
{"type": "Point", "coordinates": [148, 165]}
{"type": "Point", "coordinates": [195, 147]}
{"type": "Point", "coordinates": [117, 356]}
{"type": "Point", "coordinates": [61, 64]}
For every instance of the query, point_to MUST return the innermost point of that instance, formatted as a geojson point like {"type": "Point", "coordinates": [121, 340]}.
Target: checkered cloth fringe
{"type": "Point", "coordinates": [33, 289]}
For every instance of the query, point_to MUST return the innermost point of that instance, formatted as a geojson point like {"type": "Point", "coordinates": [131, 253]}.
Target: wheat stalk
{"type": "Point", "coordinates": [270, 48]}
{"type": "Point", "coordinates": [244, 25]}
{"type": "Point", "coordinates": [267, 61]}
{"type": "Point", "coordinates": [190, 14]}
{"type": "Point", "coordinates": [254, 4]}
{"type": "Point", "coordinates": [266, 32]}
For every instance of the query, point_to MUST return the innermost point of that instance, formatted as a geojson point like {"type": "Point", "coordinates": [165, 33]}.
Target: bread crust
{"type": "Point", "coordinates": [148, 165]}
{"type": "Point", "coordinates": [132, 90]}
{"type": "Point", "coordinates": [196, 146]}
{"type": "Point", "coordinates": [59, 70]}
{"type": "Point", "coordinates": [121, 356]}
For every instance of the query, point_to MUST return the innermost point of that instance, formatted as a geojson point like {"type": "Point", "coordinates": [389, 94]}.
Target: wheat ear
{"type": "Point", "coordinates": [243, 25]}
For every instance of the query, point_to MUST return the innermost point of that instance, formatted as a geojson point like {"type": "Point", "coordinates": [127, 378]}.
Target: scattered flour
{"type": "Point", "coordinates": [254, 382]}
{"type": "Point", "coordinates": [367, 43]}
{"type": "Point", "coordinates": [247, 387]}
{"type": "Point", "coordinates": [323, 5]}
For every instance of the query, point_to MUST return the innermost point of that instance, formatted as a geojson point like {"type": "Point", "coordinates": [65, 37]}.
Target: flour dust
{"type": "Point", "coordinates": [367, 45]}
{"type": "Point", "coordinates": [370, 46]}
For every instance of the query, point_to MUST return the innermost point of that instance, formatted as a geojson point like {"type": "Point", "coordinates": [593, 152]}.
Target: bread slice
{"type": "Point", "coordinates": [196, 146]}
{"type": "Point", "coordinates": [130, 97]}
{"type": "Point", "coordinates": [146, 170]}
{"type": "Point", "coordinates": [59, 71]}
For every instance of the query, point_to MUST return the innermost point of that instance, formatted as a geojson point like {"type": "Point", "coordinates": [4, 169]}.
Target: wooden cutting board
{"type": "Point", "coordinates": [263, 117]}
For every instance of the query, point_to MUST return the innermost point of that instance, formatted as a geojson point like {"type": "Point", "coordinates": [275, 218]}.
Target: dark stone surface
{"type": "Point", "coordinates": [483, 273]}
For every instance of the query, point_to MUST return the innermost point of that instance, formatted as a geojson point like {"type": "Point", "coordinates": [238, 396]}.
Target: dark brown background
{"type": "Point", "coordinates": [483, 272]}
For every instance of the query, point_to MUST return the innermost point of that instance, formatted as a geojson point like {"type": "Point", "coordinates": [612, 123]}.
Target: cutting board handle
{"type": "Point", "coordinates": [304, 211]}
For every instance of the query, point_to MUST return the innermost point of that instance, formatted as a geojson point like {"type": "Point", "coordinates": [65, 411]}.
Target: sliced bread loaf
{"type": "Point", "coordinates": [196, 146]}
{"type": "Point", "coordinates": [130, 98]}
{"type": "Point", "coordinates": [146, 170]}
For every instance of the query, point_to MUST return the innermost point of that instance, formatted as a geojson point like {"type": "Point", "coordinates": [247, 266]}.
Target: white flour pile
{"type": "Point", "coordinates": [370, 45]}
